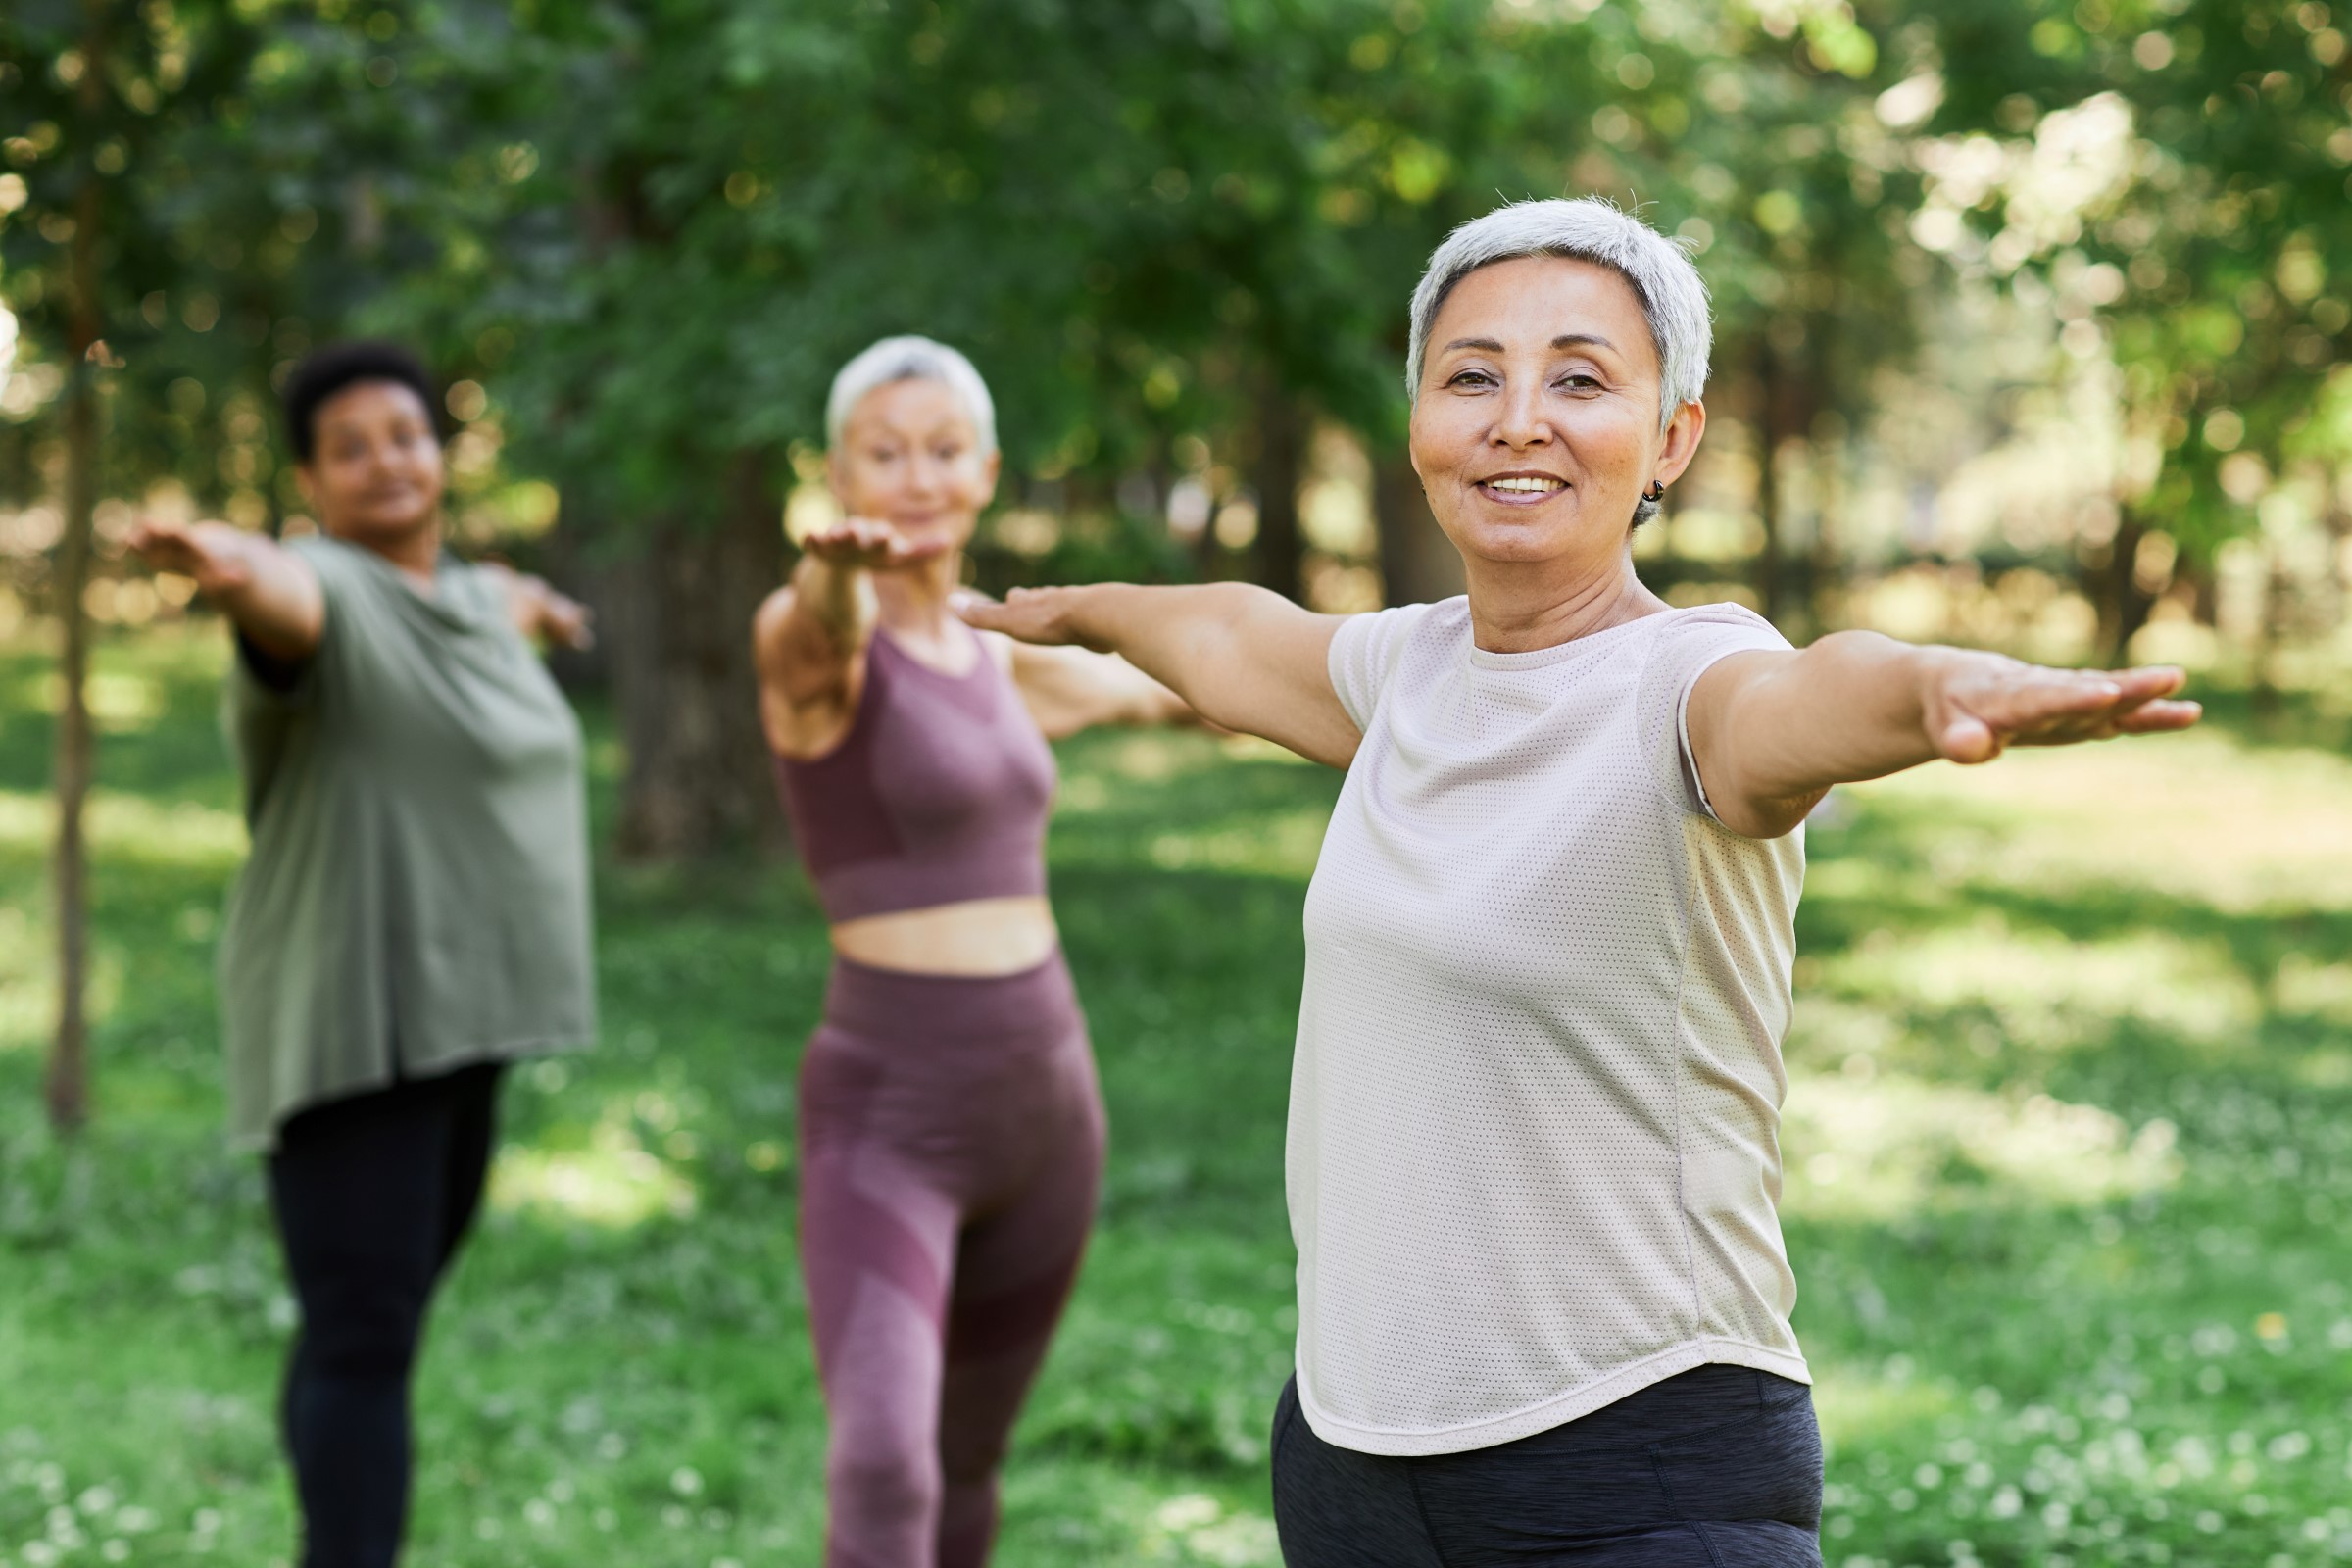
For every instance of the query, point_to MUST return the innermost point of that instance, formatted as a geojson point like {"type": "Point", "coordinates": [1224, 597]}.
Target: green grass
{"type": "Point", "coordinates": [2070, 1179]}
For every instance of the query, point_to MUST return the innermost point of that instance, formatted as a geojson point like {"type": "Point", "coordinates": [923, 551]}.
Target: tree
{"type": "Point", "coordinates": [2213, 256]}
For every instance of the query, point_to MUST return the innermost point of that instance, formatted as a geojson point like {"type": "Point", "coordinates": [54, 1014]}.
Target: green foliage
{"type": "Point", "coordinates": [2220, 264]}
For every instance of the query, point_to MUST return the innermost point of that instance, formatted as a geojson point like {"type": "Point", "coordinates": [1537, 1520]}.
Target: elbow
{"type": "Point", "coordinates": [1769, 818]}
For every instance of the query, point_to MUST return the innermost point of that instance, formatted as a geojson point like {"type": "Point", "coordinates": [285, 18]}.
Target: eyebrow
{"type": "Point", "coordinates": [1566, 340]}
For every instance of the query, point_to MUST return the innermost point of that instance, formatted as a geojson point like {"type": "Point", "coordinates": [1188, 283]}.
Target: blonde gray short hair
{"type": "Point", "coordinates": [1673, 296]}
{"type": "Point", "coordinates": [910, 359]}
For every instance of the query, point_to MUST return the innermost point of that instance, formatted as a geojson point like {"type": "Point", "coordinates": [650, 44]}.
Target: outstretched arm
{"type": "Point", "coordinates": [1770, 732]}
{"type": "Point", "coordinates": [1241, 658]}
{"type": "Point", "coordinates": [1070, 689]}
{"type": "Point", "coordinates": [540, 612]}
{"type": "Point", "coordinates": [809, 639]}
{"type": "Point", "coordinates": [269, 594]}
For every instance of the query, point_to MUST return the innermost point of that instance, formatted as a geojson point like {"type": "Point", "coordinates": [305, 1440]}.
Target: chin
{"type": "Point", "coordinates": [390, 528]}
{"type": "Point", "coordinates": [1509, 539]}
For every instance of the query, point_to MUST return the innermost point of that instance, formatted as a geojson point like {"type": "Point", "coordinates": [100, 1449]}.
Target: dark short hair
{"type": "Point", "coordinates": [337, 367]}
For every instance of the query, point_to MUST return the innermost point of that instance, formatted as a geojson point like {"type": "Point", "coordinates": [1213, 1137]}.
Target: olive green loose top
{"type": "Point", "coordinates": [416, 897]}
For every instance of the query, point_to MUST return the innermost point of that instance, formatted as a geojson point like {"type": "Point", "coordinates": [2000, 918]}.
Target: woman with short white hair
{"type": "Point", "coordinates": [1543, 1303]}
{"type": "Point", "coordinates": [951, 1131]}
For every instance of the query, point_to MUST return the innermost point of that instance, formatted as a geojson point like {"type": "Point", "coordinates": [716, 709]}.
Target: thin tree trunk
{"type": "Point", "coordinates": [1773, 417]}
{"type": "Point", "coordinates": [1418, 563]}
{"type": "Point", "coordinates": [2123, 604]}
{"type": "Point", "coordinates": [681, 648]}
{"type": "Point", "coordinates": [67, 1084]}
{"type": "Point", "coordinates": [1281, 459]}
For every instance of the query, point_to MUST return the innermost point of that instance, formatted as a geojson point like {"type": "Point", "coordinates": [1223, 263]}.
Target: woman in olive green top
{"type": "Point", "coordinates": [415, 912]}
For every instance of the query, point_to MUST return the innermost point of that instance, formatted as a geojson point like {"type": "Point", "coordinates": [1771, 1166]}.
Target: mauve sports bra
{"type": "Point", "coordinates": [937, 795]}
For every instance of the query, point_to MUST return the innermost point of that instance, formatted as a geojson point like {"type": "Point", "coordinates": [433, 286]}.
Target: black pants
{"type": "Point", "coordinates": [1717, 1468]}
{"type": "Point", "coordinates": [373, 1195]}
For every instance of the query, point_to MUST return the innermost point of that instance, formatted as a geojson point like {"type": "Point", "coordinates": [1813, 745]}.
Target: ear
{"type": "Point", "coordinates": [308, 481]}
{"type": "Point", "coordinates": [990, 468]}
{"type": "Point", "coordinates": [1683, 432]}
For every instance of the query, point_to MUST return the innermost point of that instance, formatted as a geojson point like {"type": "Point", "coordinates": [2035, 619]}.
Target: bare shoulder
{"type": "Point", "coordinates": [1008, 656]}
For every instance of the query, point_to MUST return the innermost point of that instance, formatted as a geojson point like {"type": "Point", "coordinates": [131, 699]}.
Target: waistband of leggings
{"type": "Point", "coordinates": [900, 1005]}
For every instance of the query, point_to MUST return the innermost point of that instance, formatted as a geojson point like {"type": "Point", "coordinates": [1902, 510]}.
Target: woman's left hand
{"type": "Point", "coordinates": [1978, 705]}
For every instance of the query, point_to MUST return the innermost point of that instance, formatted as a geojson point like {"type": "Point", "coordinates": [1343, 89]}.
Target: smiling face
{"type": "Point", "coordinates": [1536, 430]}
{"type": "Point", "coordinates": [375, 475]}
{"type": "Point", "coordinates": [911, 456]}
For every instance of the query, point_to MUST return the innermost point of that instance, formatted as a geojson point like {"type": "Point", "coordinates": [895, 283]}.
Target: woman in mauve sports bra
{"type": "Point", "coordinates": [951, 1135]}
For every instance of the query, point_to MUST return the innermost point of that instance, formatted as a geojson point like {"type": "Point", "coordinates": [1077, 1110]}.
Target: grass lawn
{"type": "Point", "coordinates": [2070, 1154]}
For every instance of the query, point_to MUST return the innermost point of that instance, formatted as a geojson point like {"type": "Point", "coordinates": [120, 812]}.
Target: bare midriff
{"type": "Point", "coordinates": [977, 937]}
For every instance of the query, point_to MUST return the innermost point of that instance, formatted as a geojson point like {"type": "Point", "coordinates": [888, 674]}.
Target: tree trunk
{"type": "Point", "coordinates": [67, 1083]}
{"type": "Point", "coordinates": [1281, 459]}
{"type": "Point", "coordinates": [1770, 584]}
{"type": "Point", "coordinates": [1418, 563]}
{"type": "Point", "coordinates": [2123, 604]}
{"type": "Point", "coordinates": [681, 649]}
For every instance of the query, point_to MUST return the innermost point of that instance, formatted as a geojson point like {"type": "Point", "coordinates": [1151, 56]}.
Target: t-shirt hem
{"type": "Point", "coordinates": [1572, 1405]}
{"type": "Point", "coordinates": [251, 1139]}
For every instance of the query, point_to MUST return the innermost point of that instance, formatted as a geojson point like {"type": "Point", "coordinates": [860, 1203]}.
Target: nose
{"type": "Point", "coordinates": [1519, 421]}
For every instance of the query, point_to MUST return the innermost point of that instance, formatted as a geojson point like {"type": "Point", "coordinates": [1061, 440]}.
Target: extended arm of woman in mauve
{"type": "Point", "coordinates": [540, 611]}
{"type": "Point", "coordinates": [1770, 732]}
{"type": "Point", "coordinates": [269, 594]}
{"type": "Point", "coordinates": [809, 638]}
{"type": "Point", "coordinates": [1241, 658]}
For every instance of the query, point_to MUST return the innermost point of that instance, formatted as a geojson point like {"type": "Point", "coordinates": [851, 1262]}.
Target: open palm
{"type": "Point", "coordinates": [1987, 704]}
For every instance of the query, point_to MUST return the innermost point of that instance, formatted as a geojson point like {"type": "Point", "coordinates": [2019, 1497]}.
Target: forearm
{"type": "Point", "coordinates": [275, 602]}
{"type": "Point", "coordinates": [1852, 706]}
{"type": "Point", "coordinates": [833, 605]}
{"type": "Point", "coordinates": [1178, 636]}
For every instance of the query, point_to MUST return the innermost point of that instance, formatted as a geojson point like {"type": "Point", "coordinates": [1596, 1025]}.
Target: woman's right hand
{"type": "Point", "coordinates": [211, 552]}
{"type": "Point", "coordinates": [861, 544]}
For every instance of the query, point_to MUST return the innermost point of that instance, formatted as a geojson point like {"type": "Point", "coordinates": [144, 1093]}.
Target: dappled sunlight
{"type": "Point", "coordinates": [2201, 816]}
{"type": "Point", "coordinates": [614, 1183]}
{"type": "Point", "coordinates": [1283, 844]}
{"type": "Point", "coordinates": [1887, 1146]}
{"type": "Point", "coordinates": [134, 827]}
{"type": "Point", "coordinates": [29, 982]}
{"type": "Point", "coordinates": [2046, 991]}
{"type": "Point", "coordinates": [1195, 1527]}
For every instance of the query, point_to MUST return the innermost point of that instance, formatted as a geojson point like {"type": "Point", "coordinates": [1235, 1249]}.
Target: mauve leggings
{"type": "Point", "coordinates": [951, 1146]}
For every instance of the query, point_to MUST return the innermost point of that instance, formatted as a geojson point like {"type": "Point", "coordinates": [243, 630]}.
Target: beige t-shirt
{"type": "Point", "coordinates": [1533, 1158]}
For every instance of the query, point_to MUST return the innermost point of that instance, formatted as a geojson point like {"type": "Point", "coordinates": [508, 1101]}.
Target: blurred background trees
{"type": "Point", "coordinates": [2032, 315]}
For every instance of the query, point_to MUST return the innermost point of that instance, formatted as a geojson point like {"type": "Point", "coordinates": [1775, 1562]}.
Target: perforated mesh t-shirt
{"type": "Point", "coordinates": [1534, 1158]}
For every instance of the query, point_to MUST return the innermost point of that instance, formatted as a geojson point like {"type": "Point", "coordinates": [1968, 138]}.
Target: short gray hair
{"type": "Point", "coordinates": [910, 359]}
{"type": "Point", "coordinates": [1673, 296]}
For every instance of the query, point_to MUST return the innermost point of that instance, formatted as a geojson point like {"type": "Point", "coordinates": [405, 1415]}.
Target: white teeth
{"type": "Point", "coordinates": [1528, 486]}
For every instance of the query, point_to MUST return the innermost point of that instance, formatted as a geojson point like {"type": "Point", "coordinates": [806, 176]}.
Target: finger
{"type": "Point", "coordinates": [2158, 717]}
{"type": "Point", "coordinates": [1968, 739]}
{"type": "Point", "coordinates": [2148, 681]}
{"type": "Point", "coordinates": [985, 614]}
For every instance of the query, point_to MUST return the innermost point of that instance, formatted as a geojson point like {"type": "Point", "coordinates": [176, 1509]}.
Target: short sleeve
{"type": "Point", "coordinates": [1364, 654]}
{"type": "Point", "coordinates": [262, 681]}
{"type": "Point", "coordinates": [1686, 648]}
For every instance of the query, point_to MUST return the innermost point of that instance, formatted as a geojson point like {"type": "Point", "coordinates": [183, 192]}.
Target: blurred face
{"type": "Point", "coordinates": [374, 473]}
{"type": "Point", "coordinates": [911, 456]}
{"type": "Point", "coordinates": [1537, 427]}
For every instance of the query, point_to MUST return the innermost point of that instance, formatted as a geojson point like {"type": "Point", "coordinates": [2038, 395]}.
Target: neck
{"type": "Point", "coordinates": [1518, 607]}
{"type": "Point", "coordinates": [917, 597]}
{"type": "Point", "coordinates": [417, 552]}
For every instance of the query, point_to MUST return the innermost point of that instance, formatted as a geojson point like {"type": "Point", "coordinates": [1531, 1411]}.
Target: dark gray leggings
{"type": "Point", "coordinates": [1717, 1468]}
